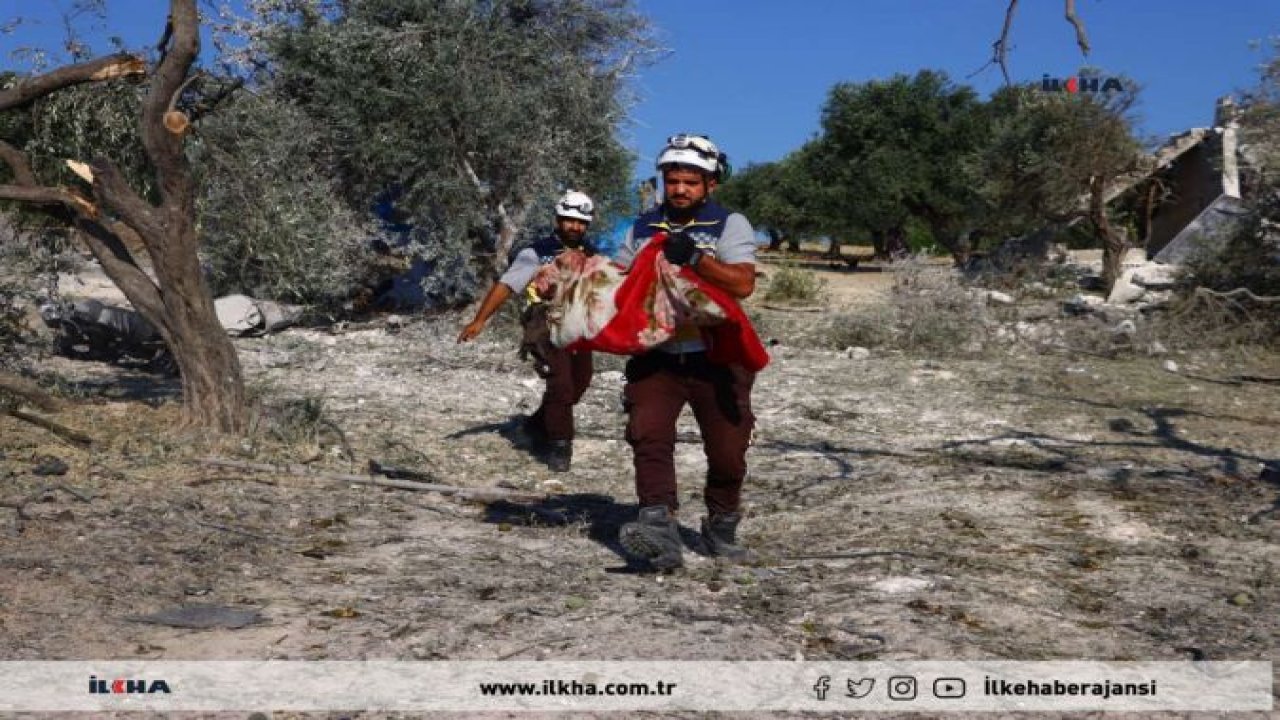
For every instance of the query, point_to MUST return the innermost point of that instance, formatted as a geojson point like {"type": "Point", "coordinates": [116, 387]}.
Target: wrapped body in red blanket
{"type": "Point", "coordinates": [596, 306]}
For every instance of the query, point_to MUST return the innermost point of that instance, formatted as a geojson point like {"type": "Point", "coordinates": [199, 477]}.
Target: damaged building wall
{"type": "Point", "coordinates": [1188, 186]}
{"type": "Point", "coordinates": [1194, 171]}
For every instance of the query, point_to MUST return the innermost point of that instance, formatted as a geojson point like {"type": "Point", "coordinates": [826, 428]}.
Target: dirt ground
{"type": "Point", "coordinates": [1014, 505]}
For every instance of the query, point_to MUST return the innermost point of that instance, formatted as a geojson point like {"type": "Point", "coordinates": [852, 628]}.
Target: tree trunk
{"type": "Point", "coordinates": [955, 244]}
{"type": "Point", "coordinates": [775, 240]}
{"type": "Point", "coordinates": [1114, 244]}
{"type": "Point", "coordinates": [178, 302]}
{"type": "Point", "coordinates": [895, 244]}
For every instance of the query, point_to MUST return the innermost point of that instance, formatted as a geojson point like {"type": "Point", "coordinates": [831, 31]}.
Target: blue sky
{"type": "Point", "coordinates": [753, 74]}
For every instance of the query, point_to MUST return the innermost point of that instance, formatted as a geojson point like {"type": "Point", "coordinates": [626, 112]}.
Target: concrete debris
{"type": "Point", "coordinates": [1125, 291]}
{"type": "Point", "coordinates": [1156, 276]}
{"type": "Point", "coordinates": [94, 330]}
{"type": "Point", "coordinates": [1081, 304]}
{"type": "Point", "coordinates": [243, 315]}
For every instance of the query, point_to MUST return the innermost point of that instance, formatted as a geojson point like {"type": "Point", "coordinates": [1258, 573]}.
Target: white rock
{"type": "Point", "coordinates": [998, 298]}
{"type": "Point", "coordinates": [1125, 291]}
{"type": "Point", "coordinates": [857, 353]}
{"type": "Point", "coordinates": [1171, 366]}
{"type": "Point", "coordinates": [1155, 276]}
{"type": "Point", "coordinates": [1158, 348]}
{"type": "Point", "coordinates": [1125, 327]}
{"type": "Point", "coordinates": [901, 585]}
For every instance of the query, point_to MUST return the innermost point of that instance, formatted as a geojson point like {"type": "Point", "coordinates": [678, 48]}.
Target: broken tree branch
{"type": "Point", "coordinates": [103, 68]}
{"type": "Point", "coordinates": [1237, 293]}
{"type": "Point", "coordinates": [1081, 38]}
{"type": "Point", "coordinates": [113, 191]}
{"type": "Point", "coordinates": [73, 436]}
{"type": "Point", "coordinates": [1000, 48]}
{"type": "Point", "coordinates": [28, 392]}
{"type": "Point", "coordinates": [163, 146]}
{"type": "Point", "coordinates": [481, 494]}
{"type": "Point", "coordinates": [18, 163]}
{"type": "Point", "coordinates": [38, 195]}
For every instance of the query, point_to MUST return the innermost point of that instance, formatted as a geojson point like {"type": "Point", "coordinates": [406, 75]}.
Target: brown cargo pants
{"type": "Point", "coordinates": [659, 385]}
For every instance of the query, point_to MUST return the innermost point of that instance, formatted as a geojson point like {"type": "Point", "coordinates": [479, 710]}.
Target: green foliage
{"type": "Point", "coordinates": [897, 148]}
{"type": "Point", "coordinates": [1043, 149]}
{"type": "Point", "coordinates": [57, 128]}
{"type": "Point", "coordinates": [921, 156]}
{"type": "Point", "coordinates": [28, 264]}
{"type": "Point", "coordinates": [87, 122]}
{"type": "Point", "coordinates": [272, 220]}
{"type": "Point", "coordinates": [465, 110]}
{"type": "Point", "coordinates": [778, 196]}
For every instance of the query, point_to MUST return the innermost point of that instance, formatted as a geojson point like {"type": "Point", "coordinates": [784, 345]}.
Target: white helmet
{"type": "Point", "coordinates": [695, 151]}
{"type": "Point", "coordinates": [574, 204]}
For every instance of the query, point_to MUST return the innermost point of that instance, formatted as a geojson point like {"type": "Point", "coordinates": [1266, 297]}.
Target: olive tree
{"type": "Point", "coordinates": [469, 114]}
{"type": "Point", "coordinates": [129, 229]}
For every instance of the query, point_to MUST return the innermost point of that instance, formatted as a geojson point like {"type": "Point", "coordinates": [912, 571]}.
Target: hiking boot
{"type": "Point", "coordinates": [527, 433]}
{"type": "Point", "coordinates": [719, 532]}
{"type": "Point", "coordinates": [559, 455]}
{"type": "Point", "coordinates": [654, 536]}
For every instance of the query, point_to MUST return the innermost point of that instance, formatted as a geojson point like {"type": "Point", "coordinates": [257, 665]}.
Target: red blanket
{"type": "Point", "coordinates": [594, 308]}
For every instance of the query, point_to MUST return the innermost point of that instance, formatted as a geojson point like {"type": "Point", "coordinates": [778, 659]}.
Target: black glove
{"type": "Point", "coordinates": [680, 249]}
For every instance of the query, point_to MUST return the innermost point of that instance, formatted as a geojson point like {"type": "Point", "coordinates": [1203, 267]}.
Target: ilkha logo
{"type": "Point", "coordinates": [124, 686]}
{"type": "Point", "coordinates": [1081, 83]}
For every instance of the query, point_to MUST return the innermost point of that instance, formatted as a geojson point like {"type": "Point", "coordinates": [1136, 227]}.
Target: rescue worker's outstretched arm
{"type": "Point", "coordinates": [497, 295]}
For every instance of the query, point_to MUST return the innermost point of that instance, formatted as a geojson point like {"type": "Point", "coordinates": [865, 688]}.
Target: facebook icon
{"type": "Point", "coordinates": [822, 687]}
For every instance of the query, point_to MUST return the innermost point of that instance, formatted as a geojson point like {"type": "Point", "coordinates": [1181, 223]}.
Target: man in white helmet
{"type": "Point", "coordinates": [568, 374]}
{"type": "Point", "coordinates": [720, 248]}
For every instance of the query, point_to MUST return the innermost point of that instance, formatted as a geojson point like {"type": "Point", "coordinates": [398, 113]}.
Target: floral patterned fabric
{"type": "Point", "coordinates": [594, 306]}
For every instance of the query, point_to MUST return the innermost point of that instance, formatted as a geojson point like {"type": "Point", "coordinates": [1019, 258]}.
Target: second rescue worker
{"type": "Point", "coordinates": [568, 374]}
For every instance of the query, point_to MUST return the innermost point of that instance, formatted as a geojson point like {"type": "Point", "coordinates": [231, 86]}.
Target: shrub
{"type": "Point", "coordinates": [273, 223]}
{"type": "Point", "coordinates": [789, 283]}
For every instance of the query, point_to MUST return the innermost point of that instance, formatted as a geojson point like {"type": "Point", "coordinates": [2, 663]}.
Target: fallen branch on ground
{"type": "Point", "coordinates": [62, 431]}
{"type": "Point", "coordinates": [28, 392]}
{"type": "Point", "coordinates": [1238, 292]}
{"type": "Point", "coordinates": [465, 493]}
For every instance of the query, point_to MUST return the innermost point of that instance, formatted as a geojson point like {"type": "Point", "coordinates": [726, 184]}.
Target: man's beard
{"type": "Point", "coordinates": [685, 213]}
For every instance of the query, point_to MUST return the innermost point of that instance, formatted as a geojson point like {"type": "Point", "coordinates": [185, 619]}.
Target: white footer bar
{"type": "Point", "coordinates": [928, 686]}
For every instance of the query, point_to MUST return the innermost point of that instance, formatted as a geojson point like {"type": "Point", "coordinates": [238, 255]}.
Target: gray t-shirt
{"type": "Point", "coordinates": [521, 271]}
{"type": "Point", "coordinates": [737, 244]}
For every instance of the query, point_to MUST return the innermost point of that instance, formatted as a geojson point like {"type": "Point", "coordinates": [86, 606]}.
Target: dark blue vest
{"type": "Point", "coordinates": [705, 228]}
{"type": "Point", "coordinates": [548, 247]}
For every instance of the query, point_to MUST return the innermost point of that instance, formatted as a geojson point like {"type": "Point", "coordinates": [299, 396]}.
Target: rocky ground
{"type": "Point", "coordinates": [1018, 502]}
